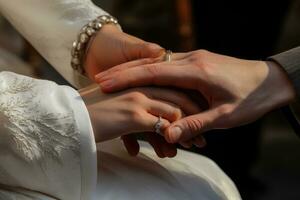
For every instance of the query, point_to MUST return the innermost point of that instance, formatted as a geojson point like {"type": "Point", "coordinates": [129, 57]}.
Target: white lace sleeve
{"type": "Point", "coordinates": [51, 26]}
{"type": "Point", "coordinates": [46, 139]}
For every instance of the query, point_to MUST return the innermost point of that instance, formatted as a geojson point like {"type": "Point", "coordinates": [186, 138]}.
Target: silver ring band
{"type": "Point", "coordinates": [158, 125]}
{"type": "Point", "coordinates": [168, 56]}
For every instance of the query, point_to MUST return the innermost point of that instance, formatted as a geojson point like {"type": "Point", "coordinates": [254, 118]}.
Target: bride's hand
{"type": "Point", "coordinates": [136, 111]}
{"type": "Point", "coordinates": [112, 47]}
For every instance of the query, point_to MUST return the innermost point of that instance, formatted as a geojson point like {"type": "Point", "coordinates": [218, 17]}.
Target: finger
{"type": "Point", "coordinates": [148, 122]}
{"type": "Point", "coordinates": [180, 56]}
{"type": "Point", "coordinates": [154, 74]}
{"type": "Point", "coordinates": [127, 65]}
{"type": "Point", "coordinates": [186, 104]}
{"type": "Point", "coordinates": [145, 50]}
{"type": "Point", "coordinates": [156, 146]}
{"type": "Point", "coordinates": [131, 144]}
{"type": "Point", "coordinates": [139, 62]}
{"type": "Point", "coordinates": [164, 109]}
{"type": "Point", "coordinates": [191, 126]}
{"type": "Point", "coordinates": [199, 141]}
{"type": "Point", "coordinates": [187, 144]}
{"type": "Point", "coordinates": [161, 147]}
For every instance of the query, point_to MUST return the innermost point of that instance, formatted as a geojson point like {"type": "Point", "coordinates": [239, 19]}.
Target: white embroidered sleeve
{"type": "Point", "coordinates": [46, 139]}
{"type": "Point", "coordinates": [51, 26]}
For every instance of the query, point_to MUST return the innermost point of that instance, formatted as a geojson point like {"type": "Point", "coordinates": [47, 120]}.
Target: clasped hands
{"type": "Point", "coordinates": [236, 91]}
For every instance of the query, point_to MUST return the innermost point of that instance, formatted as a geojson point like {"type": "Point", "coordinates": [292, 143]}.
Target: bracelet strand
{"type": "Point", "coordinates": [86, 33]}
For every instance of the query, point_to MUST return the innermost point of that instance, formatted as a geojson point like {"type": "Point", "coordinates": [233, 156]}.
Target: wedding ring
{"type": "Point", "coordinates": [158, 125]}
{"type": "Point", "coordinates": [168, 56]}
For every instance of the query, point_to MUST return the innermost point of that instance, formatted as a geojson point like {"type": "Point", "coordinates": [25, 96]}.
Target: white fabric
{"type": "Point", "coordinates": [188, 176]}
{"type": "Point", "coordinates": [51, 26]}
{"type": "Point", "coordinates": [46, 140]}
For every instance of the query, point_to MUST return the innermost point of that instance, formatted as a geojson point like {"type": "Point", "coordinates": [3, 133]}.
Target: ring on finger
{"type": "Point", "coordinates": [158, 125]}
{"type": "Point", "coordinates": [168, 56]}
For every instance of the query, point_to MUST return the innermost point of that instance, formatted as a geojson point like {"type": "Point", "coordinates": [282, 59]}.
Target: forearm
{"type": "Point", "coordinates": [51, 26]}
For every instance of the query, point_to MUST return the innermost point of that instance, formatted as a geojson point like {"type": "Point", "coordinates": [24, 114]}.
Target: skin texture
{"type": "Point", "coordinates": [112, 47]}
{"type": "Point", "coordinates": [237, 91]}
{"type": "Point", "coordinates": [135, 111]}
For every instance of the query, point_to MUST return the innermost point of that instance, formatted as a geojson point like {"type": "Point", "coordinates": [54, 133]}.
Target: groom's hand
{"type": "Point", "coordinates": [112, 47]}
{"type": "Point", "coordinates": [237, 91]}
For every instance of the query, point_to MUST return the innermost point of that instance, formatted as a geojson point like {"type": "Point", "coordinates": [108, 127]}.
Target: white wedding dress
{"type": "Point", "coordinates": [47, 148]}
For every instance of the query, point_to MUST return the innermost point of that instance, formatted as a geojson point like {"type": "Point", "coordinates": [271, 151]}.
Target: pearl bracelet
{"type": "Point", "coordinates": [79, 47]}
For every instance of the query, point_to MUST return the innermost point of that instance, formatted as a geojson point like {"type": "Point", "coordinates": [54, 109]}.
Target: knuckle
{"type": "Point", "coordinates": [199, 57]}
{"type": "Point", "coordinates": [137, 114]}
{"type": "Point", "coordinates": [152, 70]}
{"type": "Point", "coordinates": [194, 126]}
{"type": "Point", "coordinates": [202, 53]}
{"type": "Point", "coordinates": [225, 111]}
{"type": "Point", "coordinates": [147, 45]}
{"type": "Point", "coordinates": [202, 62]}
{"type": "Point", "coordinates": [226, 117]}
{"type": "Point", "coordinates": [176, 114]}
{"type": "Point", "coordinates": [136, 97]}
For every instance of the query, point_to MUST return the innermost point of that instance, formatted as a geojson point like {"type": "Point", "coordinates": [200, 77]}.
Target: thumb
{"type": "Point", "coordinates": [191, 126]}
{"type": "Point", "coordinates": [146, 50]}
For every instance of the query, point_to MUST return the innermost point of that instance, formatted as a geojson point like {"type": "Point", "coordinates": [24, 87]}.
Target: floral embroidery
{"type": "Point", "coordinates": [37, 134]}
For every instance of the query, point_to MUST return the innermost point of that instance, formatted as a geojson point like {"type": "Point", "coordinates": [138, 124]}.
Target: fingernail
{"type": "Point", "coordinates": [107, 84]}
{"type": "Point", "coordinates": [175, 133]}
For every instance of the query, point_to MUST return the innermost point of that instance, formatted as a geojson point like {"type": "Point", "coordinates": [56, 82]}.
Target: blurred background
{"type": "Point", "coordinates": [263, 159]}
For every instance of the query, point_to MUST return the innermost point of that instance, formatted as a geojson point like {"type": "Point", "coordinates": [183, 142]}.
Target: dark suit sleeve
{"type": "Point", "coordinates": [290, 61]}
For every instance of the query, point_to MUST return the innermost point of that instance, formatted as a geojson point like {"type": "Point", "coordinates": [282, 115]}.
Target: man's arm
{"type": "Point", "coordinates": [237, 91]}
{"type": "Point", "coordinates": [290, 61]}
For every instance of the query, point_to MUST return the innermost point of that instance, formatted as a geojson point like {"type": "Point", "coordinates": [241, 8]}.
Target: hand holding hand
{"type": "Point", "coordinates": [237, 91]}
{"type": "Point", "coordinates": [112, 47]}
{"type": "Point", "coordinates": [136, 111]}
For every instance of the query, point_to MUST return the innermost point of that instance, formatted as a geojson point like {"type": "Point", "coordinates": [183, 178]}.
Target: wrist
{"type": "Point", "coordinates": [88, 95]}
{"type": "Point", "coordinates": [110, 28]}
{"type": "Point", "coordinates": [282, 89]}
{"type": "Point", "coordinates": [96, 47]}
{"type": "Point", "coordinates": [79, 48]}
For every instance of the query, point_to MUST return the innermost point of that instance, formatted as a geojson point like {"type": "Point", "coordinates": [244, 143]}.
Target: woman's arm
{"type": "Point", "coordinates": [47, 131]}
{"type": "Point", "coordinates": [51, 26]}
{"type": "Point", "coordinates": [47, 142]}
